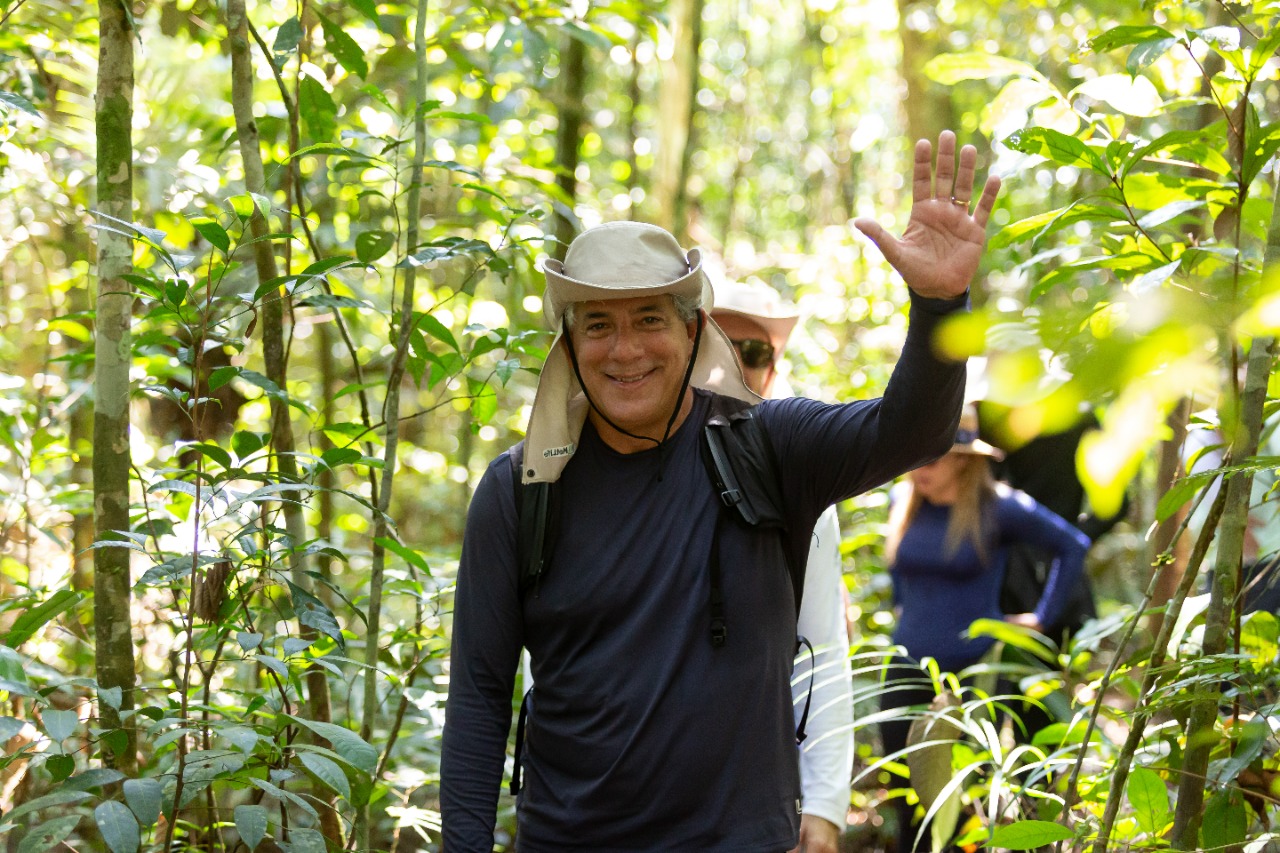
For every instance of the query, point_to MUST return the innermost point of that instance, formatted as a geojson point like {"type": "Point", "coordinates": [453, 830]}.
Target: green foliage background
{"type": "Point", "coordinates": [1138, 147]}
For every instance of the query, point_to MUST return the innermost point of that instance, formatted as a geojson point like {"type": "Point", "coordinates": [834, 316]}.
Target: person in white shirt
{"type": "Point", "coordinates": [758, 323]}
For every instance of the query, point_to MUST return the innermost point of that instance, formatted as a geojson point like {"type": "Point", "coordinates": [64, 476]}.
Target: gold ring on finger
{"type": "Point", "coordinates": [960, 202]}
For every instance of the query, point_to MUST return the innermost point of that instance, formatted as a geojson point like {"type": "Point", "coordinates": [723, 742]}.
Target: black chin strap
{"type": "Point", "coordinates": [684, 386]}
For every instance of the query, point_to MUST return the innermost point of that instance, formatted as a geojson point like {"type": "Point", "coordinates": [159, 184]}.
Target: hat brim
{"type": "Point", "coordinates": [978, 447]}
{"type": "Point", "coordinates": [564, 290]}
{"type": "Point", "coordinates": [777, 328]}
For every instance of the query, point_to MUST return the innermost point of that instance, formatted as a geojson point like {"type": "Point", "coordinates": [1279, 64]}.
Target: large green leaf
{"type": "Point", "coordinates": [49, 835]}
{"type": "Point", "coordinates": [1225, 820]}
{"type": "Point", "coordinates": [118, 826]}
{"type": "Point", "coordinates": [345, 742]}
{"type": "Point", "coordinates": [60, 797]}
{"type": "Point", "coordinates": [26, 625]}
{"type": "Point", "coordinates": [251, 823]}
{"type": "Point", "coordinates": [318, 110]}
{"type": "Point", "coordinates": [328, 772]}
{"type": "Point", "coordinates": [951, 68]}
{"type": "Point", "coordinates": [1150, 800]}
{"type": "Point", "coordinates": [145, 798]}
{"type": "Point", "coordinates": [1028, 835]}
{"type": "Point", "coordinates": [344, 48]}
{"type": "Point", "coordinates": [1057, 147]}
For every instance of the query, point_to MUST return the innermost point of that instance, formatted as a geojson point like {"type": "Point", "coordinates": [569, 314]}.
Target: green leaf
{"type": "Point", "coordinates": [1248, 747]}
{"type": "Point", "coordinates": [245, 444]}
{"type": "Point", "coordinates": [1150, 800]}
{"type": "Point", "coordinates": [1163, 214]}
{"type": "Point", "coordinates": [337, 456]}
{"type": "Point", "coordinates": [345, 742]}
{"type": "Point", "coordinates": [1155, 278]}
{"type": "Point", "coordinates": [484, 401]}
{"type": "Point", "coordinates": [277, 666]}
{"type": "Point", "coordinates": [95, 777]}
{"type": "Point", "coordinates": [306, 841]}
{"type": "Point", "coordinates": [1124, 36]}
{"type": "Point", "coordinates": [1182, 491]}
{"type": "Point", "coordinates": [146, 798]}
{"type": "Point", "coordinates": [1225, 822]}
{"type": "Point", "coordinates": [214, 452]}
{"type": "Point", "coordinates": [319, 112]}
{"type": "Point", "coordinates": [60, 766]}
{"type": "Point", "coordinates": [118, 826]}
{"type": "Point", "coordinates": [1056, 147]}
{"type": "Point", "coordinates": [951, 68]}
{"type": "Point", "coordinates": [327, 772]}
{"type": "Point", "coordinates": [16, 101]}
{"type": "Point", "coordinates": [109, 696]}
{"type": "Point", "coordinates": [48, 836]}
{"type": "Point", "coordinates": [213, 232]}
{"type": "Point", "coordinates": [60, 797]}
{"type": "Point", "coordinates": [1018, 637]}
{"type": "Point", "coordinates": [1028, 834]}
{"type": "Point", "coordinates": [344, 48]}
{"type": "Point", "coordinates": [371, 245]}
{"type": "Point", "coordinates": [26, 625]}
{"type": "Point", "coordinates": [288, 37]}
{"type": "Point", "coordinates": [221, 376]}
{"type": "Point", "coordinates": [10, 726]}
{"type": "Point", "coordinates": [1146, 53]}
{"type": "Point", "coordinates": [251, 823]}
{"type": "Point", "coordinates": [409, 555]}
{"type": "Point", "coordinates": [437, 330]}
{"type": "Point", "coordinates": [313, 614]}
{"type": "Point", "coordinates": [59, 725]}
{"type": "Point", "coordinates": [368, 8]}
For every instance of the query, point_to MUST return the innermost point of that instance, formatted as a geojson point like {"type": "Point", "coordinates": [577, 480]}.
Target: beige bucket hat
{"type": "Point", "coordinates": [617, 260]}
{"type": "Point", "coordinates": [761, 304]}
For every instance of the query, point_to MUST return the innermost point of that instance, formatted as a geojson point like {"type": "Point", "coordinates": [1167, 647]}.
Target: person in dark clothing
{"type": "Point", "coordinates": [1044, 466]}
{"type": "Point", "coordinates": [643, 732]}
{"type": "Point", "coordinates": [950, 530]}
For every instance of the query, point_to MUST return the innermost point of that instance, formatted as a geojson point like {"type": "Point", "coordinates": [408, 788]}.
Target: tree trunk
{"type": "Point", "coordinates": [930, 110]}
{"type": "Point", "coordinates": [1245, 420]}
{"type": "Point", "coordinates": [1170, 573]}
{"type": "Point", "coordinates": [675, 118]}
{"type": "Point", "coordinates": [391, 405]}
{"type": "Point", "coordinates": [275, 358]}
{"type": "Point", "coordinates": [113, 642]}
{"type": "Point", "coordinates": [569, 135]}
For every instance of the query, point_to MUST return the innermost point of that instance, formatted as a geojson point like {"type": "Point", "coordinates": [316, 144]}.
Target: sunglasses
{"type": "Point", "coordinates": [754, 353]}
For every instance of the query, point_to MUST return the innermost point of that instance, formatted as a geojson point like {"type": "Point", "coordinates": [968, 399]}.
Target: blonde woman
{"type": "Point", "coordinates": [949, 530]}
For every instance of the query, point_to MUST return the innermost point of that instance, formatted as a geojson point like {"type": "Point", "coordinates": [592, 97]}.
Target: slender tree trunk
{"type": "Point", "coordinates": [1246, 426]}
{"type": "Point", "coordinates": [113, 643]}
{"type": "Point", "coordinates": [1170, 573]}
{"type": "Point", "coordinates": [569, 135]}
{"type": "Point", "coordinates": [930, 108]}
{"type": "Point", "coordinates": [391, 406]}
{"type": "Point", "coordinates": [275, 358]}
{"type": "Point", "coordinates": [675, 117]}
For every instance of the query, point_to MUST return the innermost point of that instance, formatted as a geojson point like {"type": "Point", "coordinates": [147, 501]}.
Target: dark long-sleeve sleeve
{"type": "Point", "coordinates": [1023, 520]}
{"type": "Point", "coordinates": [860, 445]}
{"type": "Point", "coordinates": [487, 638]}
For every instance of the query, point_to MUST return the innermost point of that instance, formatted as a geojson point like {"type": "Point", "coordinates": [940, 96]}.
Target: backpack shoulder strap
{"type": "Point", "coordinates": [746, 473]}
{"type": "Point", "coordinates": [534, 522]}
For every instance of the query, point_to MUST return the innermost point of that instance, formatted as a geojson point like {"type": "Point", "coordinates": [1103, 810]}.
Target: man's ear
{"type": "Point", "coordinates": [691, 327]}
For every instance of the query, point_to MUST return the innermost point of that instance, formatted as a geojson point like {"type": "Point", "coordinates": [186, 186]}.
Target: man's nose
{"type": "Point", "coordinates": [626, 344]}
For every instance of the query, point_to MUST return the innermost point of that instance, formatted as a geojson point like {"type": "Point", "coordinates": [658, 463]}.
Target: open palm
{"type": "Point", "coordinates": [939, 252]}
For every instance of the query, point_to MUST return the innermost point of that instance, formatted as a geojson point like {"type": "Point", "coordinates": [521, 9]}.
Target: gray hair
{"type": "Point", "coordinates": [687, 307]}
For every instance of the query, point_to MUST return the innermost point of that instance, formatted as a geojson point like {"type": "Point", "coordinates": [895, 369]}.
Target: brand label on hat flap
{"type": "Point", "coordinates": [552, 452]}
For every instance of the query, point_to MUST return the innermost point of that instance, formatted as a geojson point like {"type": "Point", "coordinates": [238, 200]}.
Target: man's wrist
{"type": "Point", "coordinates": [937, 304]}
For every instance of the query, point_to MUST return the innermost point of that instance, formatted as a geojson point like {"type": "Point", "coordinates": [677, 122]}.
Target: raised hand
{"type": "Point", "coordinates": [939, 252]}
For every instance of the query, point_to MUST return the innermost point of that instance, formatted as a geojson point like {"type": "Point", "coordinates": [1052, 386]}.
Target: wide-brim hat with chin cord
{"type": "Point", "coordinates": [761, 304]}
{"type": "Point", "coordinates": [617, 260]}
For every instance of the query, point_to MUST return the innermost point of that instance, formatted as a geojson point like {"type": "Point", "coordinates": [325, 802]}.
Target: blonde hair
{"type": "Point", "coordinates": [968, 517]}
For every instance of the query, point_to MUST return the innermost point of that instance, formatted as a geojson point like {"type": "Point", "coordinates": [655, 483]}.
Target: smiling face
{"type": "Point", "coordinates": [633, 354]}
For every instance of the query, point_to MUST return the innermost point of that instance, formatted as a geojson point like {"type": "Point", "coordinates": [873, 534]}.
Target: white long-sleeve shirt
{"type": "Point", "coordinates": [826, 756]}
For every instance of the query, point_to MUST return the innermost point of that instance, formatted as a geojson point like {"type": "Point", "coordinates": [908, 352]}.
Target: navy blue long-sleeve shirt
{"type": "Point", "coordinates": [940, 594]}
{"type": "Point", "coordinates": [641, 734]}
